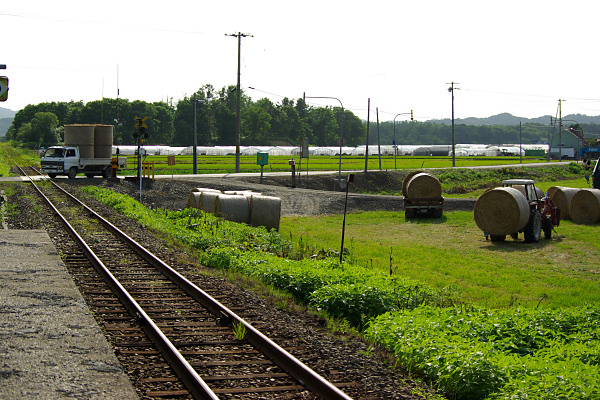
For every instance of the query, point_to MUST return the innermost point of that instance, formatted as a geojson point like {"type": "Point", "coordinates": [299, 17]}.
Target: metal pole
{"type": "Point", "coordinates": [238, 109]}
{"type": "Point", "coordinates": [560, 129]}
{"type": "Point", "coordinates": [378, 140]}
{"type": "Point", "coordinates": [394, 144]}
{"type": "Point", "coordinates": [195, 171]}
{"type": "Point", "coordinates": [341, 143]}
{"type": "Point", "coordinates": [453, 152]}
{"type": "Point", "coordinates": [341, 130]}
{"type": "Point", "coordinates": [344, 222]}
{"type": "Point", "coordinates": [368, 125]}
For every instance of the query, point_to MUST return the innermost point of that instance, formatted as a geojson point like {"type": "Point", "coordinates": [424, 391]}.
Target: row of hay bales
{"type": "Point", "coordinates": [238, 206]}
{"type": "Point", "coordinates": [580, 205]}
{"type": "Point", "coordinates": [505, 210]}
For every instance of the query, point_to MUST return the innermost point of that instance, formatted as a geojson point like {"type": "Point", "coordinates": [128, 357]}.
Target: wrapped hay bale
{"type": "Point", "coordinates": [207, 201]}
{"type": "Point", "coordinates": [423, 186]}
{"type": "Point", "coordinates": [193, 200]}
{"type": "Point", "coordinates": [584, 207]}
{"type": "Point", "coordinates": [501, 211]}
{"type": "Point", "coordinates": [562, 196]}
{"type": "Point", "coordinates": [205, 190]}
{"type": "Point", "coordinates": [265, 211]}
{"type": "Point", "coordinates": [195, 197]}
{"type": "Point", "coordinates": [246, 193]}
{"type": "Point", "coordinates": [232, 207]}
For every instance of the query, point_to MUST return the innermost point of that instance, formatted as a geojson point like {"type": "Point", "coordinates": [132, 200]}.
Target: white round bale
{"type": "Point", "coordinates": [232, 208]}
{"type": "Point", "coordinates": [240, 192]}
{"type": "Point", "coordinates": [193, 200]}
{"type": "Point", "coordinates": [265, 211]}
{"type": "Point", "coordinates": [207, 201]}
{"type": "Point", "coordinates": [501, 211]}
{"type": "Point", "coordinates": [198, 189]}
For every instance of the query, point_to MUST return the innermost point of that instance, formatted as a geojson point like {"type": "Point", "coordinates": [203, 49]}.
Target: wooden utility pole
{"type": "Point", "coordinates": [239, 36]}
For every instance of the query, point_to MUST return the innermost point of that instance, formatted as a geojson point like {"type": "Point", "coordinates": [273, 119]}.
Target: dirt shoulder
{"type": "Point", "coordinates": [317, 195]}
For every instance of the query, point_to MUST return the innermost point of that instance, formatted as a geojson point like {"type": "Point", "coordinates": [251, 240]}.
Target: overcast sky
{"type": "Point", "coordinates": [519, 57]}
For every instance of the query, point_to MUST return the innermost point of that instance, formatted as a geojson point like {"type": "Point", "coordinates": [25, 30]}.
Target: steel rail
{"type": "Point", "coordinates": [301, 372]}
{"type": "Point", "coordinates": [194, 383]}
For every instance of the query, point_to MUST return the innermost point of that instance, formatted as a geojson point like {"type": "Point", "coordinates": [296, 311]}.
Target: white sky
{"type": "Point", "coordinates": [507, 56]}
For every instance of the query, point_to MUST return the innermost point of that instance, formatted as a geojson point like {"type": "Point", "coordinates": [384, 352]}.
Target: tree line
{"type": "Point", "coordinates": [263, 123]}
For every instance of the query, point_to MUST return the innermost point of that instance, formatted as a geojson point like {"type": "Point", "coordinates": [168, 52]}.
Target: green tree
{"type": "Point", "coordinates": [256, 125]}
{"type": "Point", "coordinates": [355, 131]}
{"type": "Point", "coordinates": [323, 127]}
{"type": "Point", "coordinates": [40, 131]}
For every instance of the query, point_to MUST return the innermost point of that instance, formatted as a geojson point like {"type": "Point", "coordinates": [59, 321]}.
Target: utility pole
{"type": "Point", "coordinates": [367, 143]}
{"type": "Point", "coordinates": [239, 36]}
{"type": "Point", "coordinates": [560, 145]}
{"type": "Point", "coordinates": [520, 144]}
{"type": "Point", "coordinates": [451, 90]}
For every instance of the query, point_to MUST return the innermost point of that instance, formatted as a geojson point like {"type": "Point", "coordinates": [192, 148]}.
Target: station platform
{"type": "Point", "coordinates": [50, 345]}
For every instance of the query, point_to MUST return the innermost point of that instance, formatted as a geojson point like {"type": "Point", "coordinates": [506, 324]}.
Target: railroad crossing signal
{"type": "Point", "coordinates": [140, 122]}
{"type": "Point", "coordinates": [140, 128]}
{"type": "Point", "coordinates": [3, 88]}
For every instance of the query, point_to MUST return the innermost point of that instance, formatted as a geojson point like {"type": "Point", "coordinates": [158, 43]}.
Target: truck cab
{"type": "Point", "coordinates": [66, 160]}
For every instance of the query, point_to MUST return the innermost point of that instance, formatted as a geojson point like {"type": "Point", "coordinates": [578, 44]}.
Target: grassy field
{"type": "Point", "coordinates": [452, 252]}
{"type": "Point", "coordinates": [226, 164]}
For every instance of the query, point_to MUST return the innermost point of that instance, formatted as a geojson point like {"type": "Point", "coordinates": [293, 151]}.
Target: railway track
{"type": "Point", "coordinates": [174, 339]}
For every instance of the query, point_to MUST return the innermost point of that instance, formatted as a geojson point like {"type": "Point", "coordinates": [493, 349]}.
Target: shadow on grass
{"type": "Point", "coordinates": [520, 245]}
{"type": "Point", "coordinates": [426, 220]}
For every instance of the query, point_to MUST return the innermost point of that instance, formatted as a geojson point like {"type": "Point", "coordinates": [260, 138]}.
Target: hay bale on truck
{"type": "Point", "coordinates": [585, 206]}
{"type": "Point", "coordinates": [422, 195]}
{"type": "Point", "coordinates": [562, 197]}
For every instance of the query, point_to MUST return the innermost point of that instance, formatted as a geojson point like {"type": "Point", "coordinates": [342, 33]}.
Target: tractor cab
{"type": "Point", "coordinates": [525, 186]}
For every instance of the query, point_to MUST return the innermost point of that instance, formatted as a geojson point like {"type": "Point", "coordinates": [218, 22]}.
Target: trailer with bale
{"type": "Point", "coordinates": [87, 149]}
{"type": "Point", "coordinates": [507, 210]}
{"type": "Point", "coordinates": [422, 195]}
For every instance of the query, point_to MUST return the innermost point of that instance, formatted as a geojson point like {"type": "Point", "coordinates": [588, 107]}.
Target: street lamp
{"type": "Point", "coordinates": [394, 143]}
{"type": "Point", "coordinates": [195, 134]}
{"type": "Point", "coordinates": [341, 130]}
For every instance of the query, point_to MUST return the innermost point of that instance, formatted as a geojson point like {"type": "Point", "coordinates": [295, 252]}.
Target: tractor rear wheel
{"type": "Point", "coordinates": [533, 229]}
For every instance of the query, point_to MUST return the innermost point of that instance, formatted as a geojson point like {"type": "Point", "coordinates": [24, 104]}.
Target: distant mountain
{"type": "Point", "coordinates": [4, 125]}
{"type": "Point", "coordinates": [509, 119]}
{"type": "Point", "coordinates": [6, 119]}
{"type": "Point", "coordinates": [6, 113]}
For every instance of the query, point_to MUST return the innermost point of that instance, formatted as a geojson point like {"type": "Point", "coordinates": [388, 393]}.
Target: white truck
{"type": "Point", "coordinates": [66, 160]}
